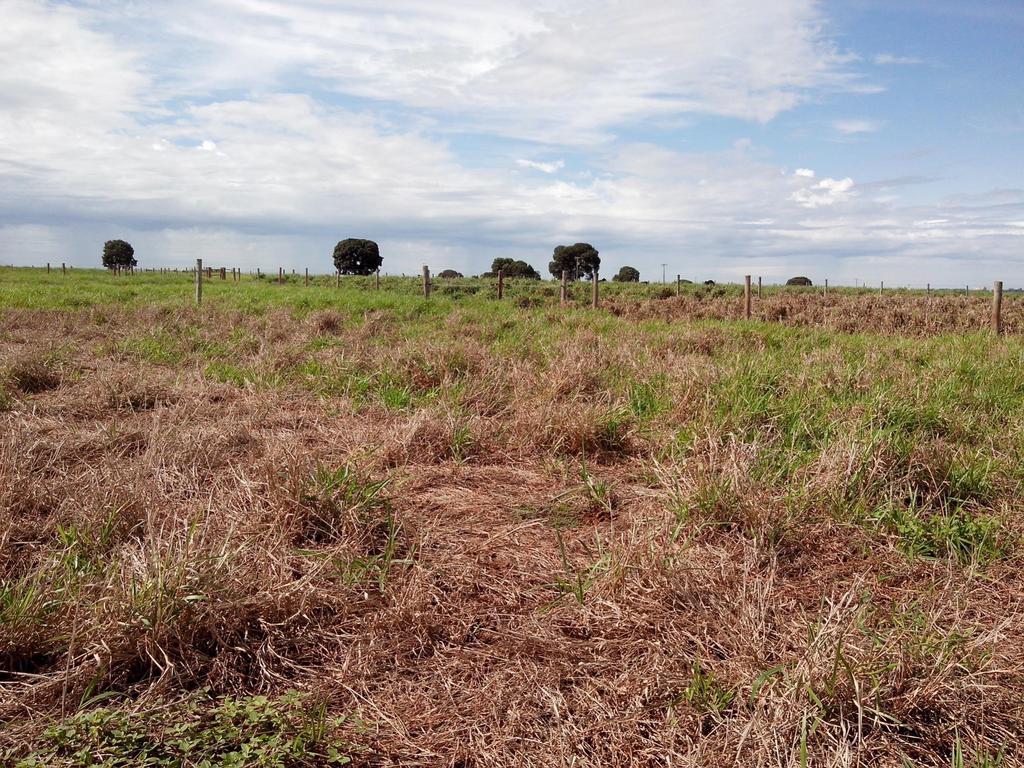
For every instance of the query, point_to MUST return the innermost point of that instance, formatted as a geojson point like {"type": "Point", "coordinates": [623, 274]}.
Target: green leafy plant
{"type": "Point", "coordinates": [289, 732]}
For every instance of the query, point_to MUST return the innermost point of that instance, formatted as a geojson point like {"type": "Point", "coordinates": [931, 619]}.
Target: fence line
{"type": "Point", "coordinates": [747, 312]}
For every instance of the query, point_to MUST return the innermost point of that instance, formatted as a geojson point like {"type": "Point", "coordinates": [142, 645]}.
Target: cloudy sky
{"type": "Point", "coordinates": [854, 139]}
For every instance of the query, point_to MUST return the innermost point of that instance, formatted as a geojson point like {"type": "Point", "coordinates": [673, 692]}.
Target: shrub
{"type": "Point", "coordinates": [627, 275]}
{"type": "Point", "coordinates": [357, 257]}
{"type": "Point", "coordinates": [799, 280]}
{"type": "Point", "coordinates": [448, 274]}
{"type": "Point", "coordinates": [580, 261]}
{"type": "Point", "coordinates": [512, 268]}
{"type": "Point", "coordinates": [118, 253]}
{"type": "Point", "coordinates": [709, 283]}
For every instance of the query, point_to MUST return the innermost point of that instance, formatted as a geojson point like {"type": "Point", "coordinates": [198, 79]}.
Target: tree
{"type": "Point", "coordinates": [627, 275]}
{"type": "Point", "coordinates": [355, 256]}
{"type": "Point", "coordinates": [448, 274]}
{"type": "Point", "coordinates": [118, 253]}
{"type": "Point", "coordinates": [799, 280]}
{"type": "Point", "coordinates": [512, 268]}
{"type": "Point", "coordinates": [579, 261]}
{"type": "Point", "coordinates": [709, 283]}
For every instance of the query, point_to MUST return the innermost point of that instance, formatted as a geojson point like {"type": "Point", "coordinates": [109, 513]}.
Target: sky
{"type": "Point", "coordinates": [854, 140]}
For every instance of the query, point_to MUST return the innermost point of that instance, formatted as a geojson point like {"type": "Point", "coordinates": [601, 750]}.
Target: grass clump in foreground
{"type": "Point", "coordinates": [287, 732]}
{"type": "Point", "coordinates": [487, 533]}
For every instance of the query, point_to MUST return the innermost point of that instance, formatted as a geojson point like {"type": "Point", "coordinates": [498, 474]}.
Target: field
{"type": "Point", "coordinates": [317, 525]}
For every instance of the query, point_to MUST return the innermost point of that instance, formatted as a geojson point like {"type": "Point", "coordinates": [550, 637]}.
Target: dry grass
{"type": "Point", "coordinates": [554, 542]}
{"type": "Point", "coordinates": [904, 314]}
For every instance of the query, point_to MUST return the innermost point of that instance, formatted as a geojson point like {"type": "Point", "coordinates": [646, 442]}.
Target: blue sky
{"type": "Point", "coordinates": [853, 140]}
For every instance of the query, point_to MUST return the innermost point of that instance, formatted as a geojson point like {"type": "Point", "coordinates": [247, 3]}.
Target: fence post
{"type": "Point", "coordinates": [47, 267]}
{"type": "Point", "coordinates": [280, 275]}
{"type": "Point", "coordinates": [337, 278]}
{"type": "Point", "coordinates": [929, 289]}
{"type": "Point", "coordinates": [881, 287]}
{"type": "Point", "coordinates": [596, 299]}
{"type": "Point", "coordinates": [759, 287]}
{"type": "Point", "coordinates": [426, 282]}
{"type": "Point", "coordinates": [307, 277]}
{"type": "Point", "coordinates": [223, 273]}
{"type": "Point", "coordinates": [376, 279]}
{"type": "Point", "coordinates": [501, 284]}
{"type": "Point", "coordinates": [826, 288]}
{"type": "Point", "coordinates": [199, 282]}
{"type": "Point", "coordinates": [967, 290]}
{"type": "Point", "coordinates": [563, 294]}
{"type": "Point", "coordinates": [63, 268]}
{"type": "Point", "coordinates": [997, 307]}
{"type": "Point", "coordinates": [746, 297]}
{"type": "Point", "coordinates": [679, 285]}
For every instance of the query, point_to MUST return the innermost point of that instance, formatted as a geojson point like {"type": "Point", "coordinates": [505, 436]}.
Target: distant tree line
{"type": "Point", "coordinates": [359, 256]}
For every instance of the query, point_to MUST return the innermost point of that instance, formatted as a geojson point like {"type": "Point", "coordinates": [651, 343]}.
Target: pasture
{"type": "Point", "coordinates": [314, 525]}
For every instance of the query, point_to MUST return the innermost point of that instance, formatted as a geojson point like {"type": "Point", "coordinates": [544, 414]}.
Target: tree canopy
{"type": "Point", "coordinates": [580, 261]}
{"type": "Point", "coordinates": [627, 275]}
{"type": "Point", "coordinates": [355, 256]}
{"type": "Point", "coordinates": [799, 280]}
{"type": "Point", "coordinates": [512, 268]}
{"type": "Point", "coordinates": [448, 274]}
{"type": "Point", "coordinates": [118, 253]}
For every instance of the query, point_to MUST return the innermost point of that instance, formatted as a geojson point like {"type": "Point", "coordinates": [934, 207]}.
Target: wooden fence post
{"type": "Point", "coordinates": [825, 293]}
{"type": "Point", "coordinates": [63, 268]}
{"type": "Point", "coordinates": [929, 289]}
{"type": "Point", "coordinates": [426, 282]}
{"type": "Point", "coordinates": [997, 307]}
{"type": "Point", "coordinates": [223, 273]}
{"type": "Point", "coordinates": [758, 287]}
{"type": "Point", "coordinates": [881, 287]}
{"type": "Point", "coordinates": [679, 285]}
{"type": "Point", "coordinates": [563, 294]}
{"type": "Point", "coordinates": [746, 297]}
{"type": "Point", "coordinates": [501, 284]}
{"type": "Point", "coordinates": [280, 275]}
{"type": "Point", "coordinates": [47, 267]}
{"type": "Point", "coordinates": [307, 277]}
{"type": "Point", "coordinates": [199, 282]}
{"type": "Point", "coordinates": [596, 298]}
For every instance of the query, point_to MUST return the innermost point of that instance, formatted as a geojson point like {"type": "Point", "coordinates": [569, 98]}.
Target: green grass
{"type": "Point", "coordinates": [287, 732]}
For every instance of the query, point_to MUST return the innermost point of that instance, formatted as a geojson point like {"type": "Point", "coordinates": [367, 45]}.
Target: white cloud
{"type": "Point", "coordinates": [855, 126]}
{"type": "Point", "coordinates": [552, 167]}
{"type": "Point", "coordinates": [805, 172]}
{"type": "Point", "coordinates": [885, 59]}
{"type": "Point", "coordinates": [826, 192]}
{"type": "Point", "coordinates": [565, 68]}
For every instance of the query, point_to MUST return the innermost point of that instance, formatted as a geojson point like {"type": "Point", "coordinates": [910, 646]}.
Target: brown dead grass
{"type": "Point", "coordinates": [908, 315]}
{"type": "Point", "coordinates": [171, 533]}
